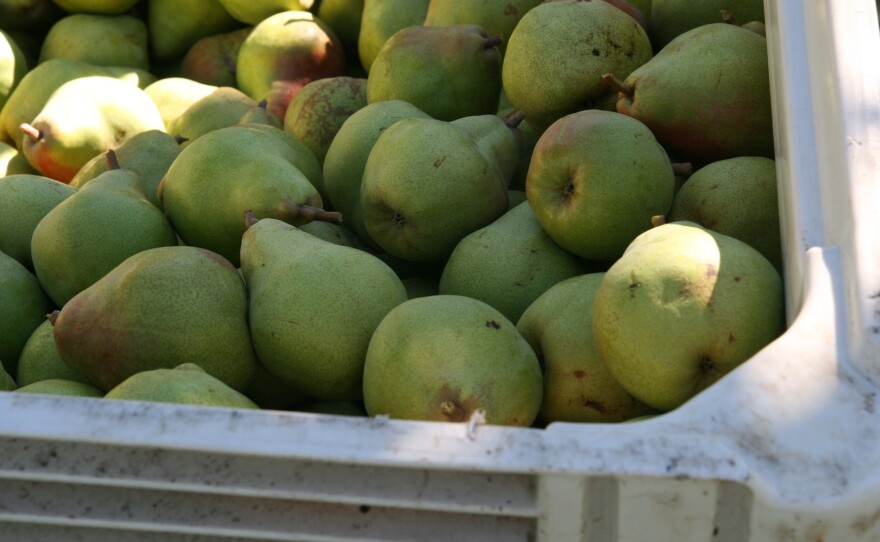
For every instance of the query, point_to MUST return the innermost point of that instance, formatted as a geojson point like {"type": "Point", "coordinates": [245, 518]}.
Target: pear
{"type": "Point", "coordinates": [577, 386]}
{"type": "Point", "coordinates": [223, 107]}
{"type": "Point", "coordinates": [228, 171]}
{"type": "Point", "coordinates": [175, 26]}
{"type": "Point", "coordinates": [62, 387]}
{"type": "Point", "coordinates": [348, 152]}
{"type": "Point", "coordinates": [498, 17]}
{"type": "Point", "coordinates": [102, 40]}
{"type": "Point", "coordinates": [111, 7]}
{"type": "Point", "coordinates": [41, 82]}
{"type": "Point", "coordinates": [727, 112]}
{"type": "Point", "coordinates": [448, 72]}
{"type": "Point", "coordinates": [23, 307]}
{"type": "Point", "coordinates": [344, 17]}
{"type": "Point", "coordinates": [508, 263]}
{"type": "Point", "coordinates": [558, 53]}
{"type": "Point", "coordinates": [13, 162]}
{"type": "Point", "coordinates": [381, 19]}
{"type": "Point", "coordinates": [84, 118]}
{"type": "Point", "coordinates": [314, 306]}
{"type": "Point", "coordinates": [173, 95]}
{"type": "Point", "coordinates": [445, 357]}
{"type": "Point", "coordinates": [211, 60]}
{"type": "Point", "coordinates": [283, 53]}
{"type": "Point", "coordinates": [736, 197]}
{"type": "Point", "coordinates": [316, 113]}
{"type": "Point", "coordinates": [250, 12]}
{"type": "Point", "coordinates": [683, 307]}
{"type": "Point", "coordinates": [87, 235]}
{"type": "Point", "coordinates": [497, 139]}
{"type": "Point", "coordinates": [148, 154]}
{"type": "Point", "coordinates": [671, 18]}
{"type": "Point", "coordinates": [426, 185]}
{"type": "Point", "coordinates": [596, 179]}
{"type": "Point", "coordinates": [186, 384]}
{"type": "Point", "coordinates": [301, 156]}
{"type": "Point", "coordinates": [24, 201]}
{"type": "Point", "coordinates": [157, 309]}
{"type": "Point", "coordinates": [40, 361]}
{"type": "Point", "coordinates": [7, 383]}
{"type": "Point", "coordinates": [13, 66]}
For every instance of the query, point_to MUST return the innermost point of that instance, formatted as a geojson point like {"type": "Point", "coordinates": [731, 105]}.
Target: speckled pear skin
{"type": "Point", "coordinates": [23, 307]}
{"type": "Point", "coordinates": [158, 309]}
{"type": "Point", "coordinates": [221, 108]}
{"type": "Point", "coordinates": [498, 17]}
{"type": "Point", "coordinates": [40, 360]}
{"type": "Point", "coordinates": [186, 384]}
{"type": "Point", "coordinates": [444, 357]}
{"type": "Point", "coordinates": [102, 40]}
{"type": "Point", "coordinates": [58, 386]}
{"type": "Point", "coordinates": [683, 307]}
{"type": "Point", "coordinates": [381, 19]}
{"type": "Point", "coordinates": [448, 72]}
{"type": "Point", "coordinates": [702, 103]}
{"type": "Point", "coordinates": [314, 306]}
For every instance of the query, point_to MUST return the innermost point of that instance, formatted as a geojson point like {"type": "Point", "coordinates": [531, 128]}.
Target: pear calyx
{"type": "Point", "coordinates": [626, 89]}
{"type": "Point", "coordinates": [31, 132]}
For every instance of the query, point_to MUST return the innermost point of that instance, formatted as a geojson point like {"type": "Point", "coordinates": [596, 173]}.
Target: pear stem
{"type": "Point", "coordinates": [180, 139]}
{"type": "Point", "coordinates": [250, 219]}
{"type": "Point", "coordinates": [31, 132]}
{"type": "Point", "coordinates": [293, 212]}
{"type": "Point", "coordinates": [728, 17]}
{"type": "Point", "coordinates": [492, 41]}
{"type": "Point", "coordinates": [627, 90]}
{"type": "Point", "coordinates": [658, 220]}
{"type": "Point", "coordinates": [683, 169]}
{"type": "Point", "coordinates": [514, 119]}
{"type": "Point", "coordinates": [112, 160]}
{"type": "Point", "coordinates": [52, 316]}
{"type": "Point", "coordinates": [264, 103]}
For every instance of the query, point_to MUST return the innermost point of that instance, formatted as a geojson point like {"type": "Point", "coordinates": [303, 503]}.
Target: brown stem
{"type": "Point", "coordinates": [302, 213]}
{"type": "Point", "coordinates": [627, 90]}
{"type": "Point", "coordinates": [728, 17]}
{"type": "Point", "coordinates": [52, 316]}
{"type": "Point", "coordinates": [250, 219]}
{"type": "Point", "coordinates": [180, 139]}
{"type": "Point", "coordinates": [31, 132]}
{"type": "Point", "coordinates": [112, 160]}
{"type": "Point", "coordinates": [492, 41]}
{"type": "Point", "coordinates": [683, 169]}
{"type": "Point", "coordinates": [658, 220]}
{"type": "Point", "coordinates": [263, 104]}
{"type": "Point", "coordinates": [514, 119]}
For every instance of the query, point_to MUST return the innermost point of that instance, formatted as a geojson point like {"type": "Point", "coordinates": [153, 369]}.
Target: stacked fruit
{"type": "Point", "coordinates": [427, 209]}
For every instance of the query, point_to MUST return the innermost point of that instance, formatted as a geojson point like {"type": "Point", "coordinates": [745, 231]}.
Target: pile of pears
{"type": "Point", "coordinates": [518, 212]}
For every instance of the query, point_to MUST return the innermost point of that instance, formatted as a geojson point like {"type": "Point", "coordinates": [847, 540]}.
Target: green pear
{"type": "Point", "coordinates": [13, 66]}
{"type": "Point", "coordinates": [175, 26]}
{"type": "Point", "coordinates": [40, 361]}
{"type": "Point", "coordinates": [250, 12]}
{"type": "Point", "coordinates": [223, 107]}
{"type": "Point", "coordinates": [448, 72]}
{"type": "Point", "coordinates": [283, 53]}
{"type": "Point", "coordinates": [42, 81]}
{"type": "Point", "coordinates": [88, 234]}
{"type": "Point", "coordinates": [344, 17]}
{"type": "Point", "coordinates": [445, 357]}
{"type": "Point", "coordinates": [12, 162]}
{"type": "Point", "coordinates": [381, 19]}
{"type": "Point", "coordinates": [314, 306]}
{"type": "Point", "coordinates": [84, 118]}
{"type": "Point", "coordinates": [497, 139]}
{"type": "Point", "coordinates": [108, 7]}
{"type": "Point", "coordinates": [558, 53]}
{"type": "Point", "coordinates": [498, 17]}
{"type": "Point", "coordinates": [595, 181]}
{"type": "Point", "coordinates": [57, 386]}
{"type": "Point", "coordinates": [186, 384]}
{"type": "Point", "coordinates": [508, 263]}
{"type": "Point", "coordinates": [420, 287]}
{"type": "Point", "coordinates": [173, 95]}
{"type": "Point", "coordinates": [28, 15]}
{"type": "Point", "coordinates": [426, 185]}
{"type": "Point", "coordinates": [148, 154]}
{"type": "Point", "coordinates": [211, 60]}
{"type": "Point", "coordinates": [671, 18]}
{"type": "Point", "coordinates": [23, 307]}
{"type": "Point", "coordinates": [228, 171]}
{"type": "Point", "coordinates": [736, 197]}
{"type": "Point", "coordinates": [577, 386]}
{"type": "Point", "coordinates": [102, 40]}
{"type": "Point", "coordinates": [316, 113]}
{"type": "Point", "coordinates": [7, 383]}
{"type": "Point", "coordinates": [24, 201]}
{"type": "Point", "coordinates": [348, 152]}
{"type": "Point", "coordinates": [727, 112]}
{"type": "Point", "coordinates": [683, 307]}
{"type": "Point", "coordinates": [157, 309]}
{"type": "Point", "coordinates": [301, 156]}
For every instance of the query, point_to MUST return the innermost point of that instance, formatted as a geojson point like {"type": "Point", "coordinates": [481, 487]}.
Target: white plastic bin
{"type": "Point", "coordinates": [785, 448]}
